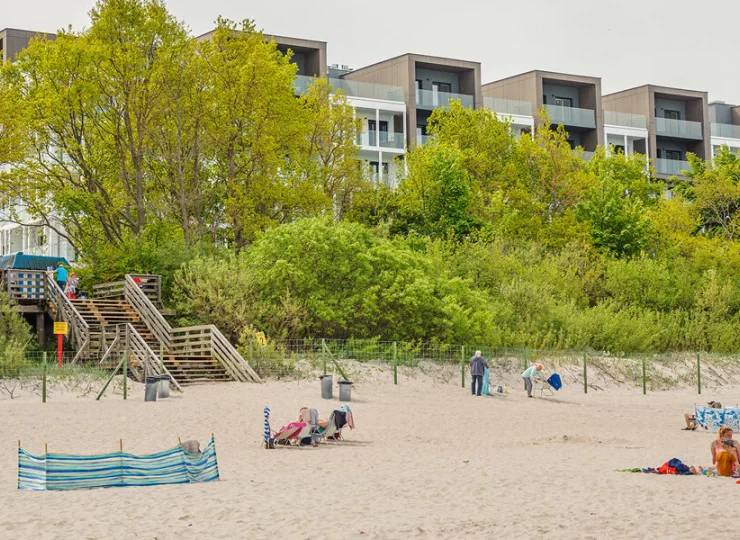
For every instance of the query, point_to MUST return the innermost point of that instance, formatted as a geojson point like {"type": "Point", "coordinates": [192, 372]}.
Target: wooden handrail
{"type": "Point", "coordinates": [80, 330]}
{"type": "Point", "coordinates": [140, 348]}
{"type": "Point", "coordinates": [225, 352]}
{"type": "Point", "coordinates": [148, 312]}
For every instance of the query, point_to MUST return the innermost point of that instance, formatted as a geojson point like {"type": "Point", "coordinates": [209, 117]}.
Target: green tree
{"type": "Point", "coordinates": [15, 334]}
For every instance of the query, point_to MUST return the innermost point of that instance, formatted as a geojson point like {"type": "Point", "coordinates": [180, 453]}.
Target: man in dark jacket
{"type": "Point", "coordinates": [478, 367]}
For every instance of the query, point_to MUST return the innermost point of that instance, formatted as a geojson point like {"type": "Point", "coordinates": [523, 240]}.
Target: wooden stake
{"type": "Point", "coordinates": [46, 448]}
{"type": "Point", "coordinates": [120, 444]}
{"type": "Point", "coordinates": [179, 440]}
{"type": "Point", "coordinates": [19, 443]}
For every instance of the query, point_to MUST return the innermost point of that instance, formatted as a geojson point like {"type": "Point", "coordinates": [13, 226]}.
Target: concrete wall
{"type": "Point", "coordinates": [519, 88]}
{"type": "Point", "coordinates": [14, 41]}
{"type": "Point", "coordinates": [661, 105]}
{"type": "Point", "coordinates": [720, 113]}
{"type": "Point", "coordinates": [551, 91]}
{"type": "Point", "coordinates": [428, 76]}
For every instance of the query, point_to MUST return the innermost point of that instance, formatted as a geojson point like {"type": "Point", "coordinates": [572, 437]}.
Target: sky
{"type": "Point", "coordinates": [628, 43]}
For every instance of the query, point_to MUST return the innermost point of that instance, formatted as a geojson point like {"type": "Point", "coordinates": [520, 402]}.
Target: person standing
{"type": "Point", "coordinates": [71, 290]}
{"type": "Point", "coordinates": [61, 276]}
{"type": "Point", "coordinates": [478, 367]}
{"type": "Point", "coordinates": [529, 375]}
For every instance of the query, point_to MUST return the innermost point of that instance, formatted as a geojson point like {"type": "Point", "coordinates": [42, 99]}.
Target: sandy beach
{"type": "Point", "coordinates": [427, 460]}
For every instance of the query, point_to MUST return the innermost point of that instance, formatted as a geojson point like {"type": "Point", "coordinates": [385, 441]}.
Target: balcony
{"type": "Point", "coordinates": [355, 89]}
{"type": "Point", "coordinates": [673, 167]}
{"type": "Point", "coordinates": [614, 118]}
{"type": "Point", "coordinates": [572, 116]}
{"type": "Point", "coordinates": [429, 99]}
{"type": "Point", "coordinates": [384, 139]}
{"type": "Point", "coordinates": [508, 106]}
{"type": "Point", "coordinates": [684, 129]}
{"type": "Point", "coordinates": [424, 139]}
{"type": "Point", "coordinates": [727, 131]}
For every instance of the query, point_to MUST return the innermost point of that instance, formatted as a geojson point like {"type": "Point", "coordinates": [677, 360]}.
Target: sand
{"type": "Point", "coordinates": [427, 460]}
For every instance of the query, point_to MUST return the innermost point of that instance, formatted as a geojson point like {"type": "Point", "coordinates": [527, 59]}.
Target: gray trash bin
{"type": "Point", "coordinates": [326, 386]}
{"type": "Point", "coordinates": [345, 391]}
{"type": "Point", "coordinates": [164, 386]}
{"type": "Point", "coordinates": [152, 387]}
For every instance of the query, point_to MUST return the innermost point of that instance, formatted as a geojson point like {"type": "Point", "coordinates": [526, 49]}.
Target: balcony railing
{"type": "Point", "coordinates": [571, 116]}
{"type": "Point", "coordinates": [671, 166]}
{"type": "Point", "coordinates": [508, 106]}
{"type": "Point", "coordinates": [355, 88]}
{"type": "Point", "coordinates": [424, 139]}
{"type": "Point", "coordinates": [728, 131]}
{"type": "Point", "coordinates": [685, 129]}
{"type": "Point", "coordinates": [384, 139]}
{"type": "Point", "coordinates": [588, 156]}
{"type": "Point", "coordinates": [614, 118]}
{"type": "Point", "coordinates": [429, 99]}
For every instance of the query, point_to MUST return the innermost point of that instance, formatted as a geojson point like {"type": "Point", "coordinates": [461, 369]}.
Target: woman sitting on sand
{"type": "Point", "coordinates": [725, 433]}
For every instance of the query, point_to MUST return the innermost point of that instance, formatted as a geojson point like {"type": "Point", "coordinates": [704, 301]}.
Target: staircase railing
{"type": "Point", "coordinates": [67, 312]}
{"type": "Point", "coordinates": [150, 285]}
{"type": "Point", "coordinates": [148, 312]}
{"type": "Point", "coordinates": [195, 340]}
{"type": "Point", "coordinates": [140, 354]}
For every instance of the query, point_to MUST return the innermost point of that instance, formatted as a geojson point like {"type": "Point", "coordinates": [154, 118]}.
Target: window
{"type": "Point", "coordinates": [437, 88]}
{"type": "Point", "coordinates": [572, 144]}
{"type": "Point", "coordinates": [383, 131]}
{"type": "Point", "coordinates": [618, 148]}
{"type": "Point", "coordinates": [418, 88]}
{"type": "Point", "coordinates": [563, 101]}
{"type": "Point", "coordinates": [371, 130]}
{"type": "Point", "coordinates": [442, 87]}
{"type": "Point", "coordinates": [673, 154]}
{"type": "Point", "coordinates": [672, 115]}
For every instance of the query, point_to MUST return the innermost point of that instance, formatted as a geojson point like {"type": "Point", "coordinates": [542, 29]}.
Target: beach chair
{"type": "Point", "coordinates": [284, 437]}
{"type": "Point", "coordinates": [331, 430]}
{"type": "Point", "coordinates": [545, 388]}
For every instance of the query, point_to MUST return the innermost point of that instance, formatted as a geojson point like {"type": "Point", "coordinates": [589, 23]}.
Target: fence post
{"type": "Point", "coordinates": [644, 378]}
{"type": "Point", "coordinates": [526, 364]}
{"type": "Point", "coordinates": [585, 374]}
{"type": "Point", "coordinates": [251, 352]}
{"type": "Point", "coordinates": [395, 363]}
{"type": "Point", "coordinates": [462, 364]}
{"type": "Point", "coordinates": [43, 380]}
{"type": "Point", "coordinates": [125, 374]}
{"type": "Point", "coordinates": [698, 371]}
{"type": "Point", "coordinates": [323, 353]}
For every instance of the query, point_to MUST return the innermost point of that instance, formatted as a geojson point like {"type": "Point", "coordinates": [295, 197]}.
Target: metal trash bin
{"type": "Point", "coordinates": [152, 387]}
{"type": "Point", "coordinates": [326, 386]}
{"type": "Point", "coordinates": [164, 386]}
{"type": "Point", "coordinates": [345, 391]}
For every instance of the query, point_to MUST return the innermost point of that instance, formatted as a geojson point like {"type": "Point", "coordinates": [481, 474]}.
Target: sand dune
{"type": "Point", "coordinates": [427, 460]}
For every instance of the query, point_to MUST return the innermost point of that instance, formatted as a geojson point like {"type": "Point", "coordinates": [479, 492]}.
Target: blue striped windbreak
{"type": "Point", "coordinates": [63, 471]}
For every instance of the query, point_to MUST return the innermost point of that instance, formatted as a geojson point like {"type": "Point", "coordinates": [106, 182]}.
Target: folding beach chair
{"type": "Point", "coordinates": [550, 385]}
{"type": "Point", "coordinates": [331, 430]}
{"type": "Point", "coordinates": [545, 388]}
{"type": "Point", "coordinates": [284, 437]}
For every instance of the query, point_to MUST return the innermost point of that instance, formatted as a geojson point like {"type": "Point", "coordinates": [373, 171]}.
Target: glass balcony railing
{"type": "Point", "coordinates": [728, 131]}
{"type": "Point", "coordinates": [685, 129]}
{"type": "Point", "coordinates": [384, 139]}
{"type": "Point", "coordinates": [355, 89]}
{"type": "Point", "coordinates": [587, 156]}
{"type": "Point", "coordinates": [424, 139]}
{"type": "Point", "coordinates": [671, 166]}
{"type": "Point", "coordinates": [429, 99]}
{"type": "Point", "coordinates": [571, 116]}
{"type": "Point", "coordinates": [508, 106]}
{"type": "Point", "coordinates": [614, 118]}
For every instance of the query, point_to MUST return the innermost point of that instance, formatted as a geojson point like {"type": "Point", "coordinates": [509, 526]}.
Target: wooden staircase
{"type": "Point", "coordinates": [105, 316]}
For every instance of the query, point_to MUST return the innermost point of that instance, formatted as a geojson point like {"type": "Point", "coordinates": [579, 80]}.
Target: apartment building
{"type": "Point", "coordinates": [13, 41]}
{"type": "Point", "coordinates": [571, 100]}
{"type": "Point", "coordinates": [724, 120]}
{"type": "Point", "coordinates": [19, 232]}
{"type": "Point", "coordinates": [428, 82]}
{"type": "Point", "coordinates": [678, 123]}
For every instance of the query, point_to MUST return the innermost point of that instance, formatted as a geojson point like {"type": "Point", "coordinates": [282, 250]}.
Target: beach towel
{"type": "Point", "coordinates": [349, 419]}
{"type": "Point", "coordinates": [314, 417]}
{"type": "Point", "coordinates": [711, 419]}
{"type": "Point", "coordinates": [555, 382]}
{"type": "Point", "coordinates": [486, 386]}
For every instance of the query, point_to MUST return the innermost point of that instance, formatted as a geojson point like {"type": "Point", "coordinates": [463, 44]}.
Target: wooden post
{"type": "Point", "coordinates": [161, 358]}
{"type": "Point", "coordinates": [462, 364]}
{"type": "Point", "coordinates": [251, 352]}
{"type": "Point", "coordinates": [585, 374]}
{"type": "Point", "coordinates": [41, 328]}
{"type": "Point", "coordinates": [526, 363]}
{"type": "Point", "coordinates": [698, 372]}
{"type": "Point", "coordinates": [395, 364]}
{"type": "Point", "coordinates": [46, 448]}
{"type": "Point", "coordinates": [644, 378]}
{"type": "Point", "coordinates": [125, 374]}
{"type": "Point", "coordinates": [43, 380]}
{"type": "Point", "coordinates": [120, 444]}
{"type": "Point", "coordinates": [323, 353]}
